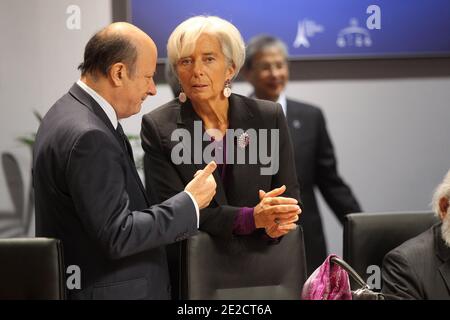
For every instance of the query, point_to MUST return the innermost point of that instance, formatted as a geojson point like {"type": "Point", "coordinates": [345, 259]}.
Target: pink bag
{"type": "Point", "coordinates": [328, 282]}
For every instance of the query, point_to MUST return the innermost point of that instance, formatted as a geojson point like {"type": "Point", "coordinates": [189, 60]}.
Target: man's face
{"type": "Point", "coordinates": [139, 85]}
{"type": "Point", "coordinates": [269, 74]}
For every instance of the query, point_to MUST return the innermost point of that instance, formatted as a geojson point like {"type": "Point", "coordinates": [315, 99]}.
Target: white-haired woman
{"type": "Point", "coordinates": [206, 53]}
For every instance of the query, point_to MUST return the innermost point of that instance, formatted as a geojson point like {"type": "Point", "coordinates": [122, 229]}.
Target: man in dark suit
{"type": "Point", "coordinates": [420, 267]}
{"type": "Point", "coordinates": [266, 68]}
{"type": "Point", "coordinates": [88, 192]}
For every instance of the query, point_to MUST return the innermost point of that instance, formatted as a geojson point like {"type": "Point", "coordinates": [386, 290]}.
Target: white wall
{"type": "Point", "coordinates": [38, 60]}
{"type": "Point", "coordinates": [391, 136]}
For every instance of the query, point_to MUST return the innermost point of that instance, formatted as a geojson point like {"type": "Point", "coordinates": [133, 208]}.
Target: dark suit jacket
{"type": "Point", "coordinates": [89, 195]}
{"type": "Point", "coordinates": [316, 166]}
{"type": "Point", "coordinates": [419, 268]}
{"type": "Point", "coordinates": [243, 180]}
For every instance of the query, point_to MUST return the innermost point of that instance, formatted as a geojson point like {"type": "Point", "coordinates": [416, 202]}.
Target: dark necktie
{"type": "Point", "coordinates": [125, 141]}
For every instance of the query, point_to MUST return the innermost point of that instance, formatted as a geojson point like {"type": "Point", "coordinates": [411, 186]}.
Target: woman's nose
{"type": "Point", "coordinates": [198, 67]}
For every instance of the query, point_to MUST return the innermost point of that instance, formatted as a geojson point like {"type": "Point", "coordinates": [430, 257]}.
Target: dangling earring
{"type": "Point", "coordinates": [182, 96]}
{"type": "Point", "coordinates": [227, 89]}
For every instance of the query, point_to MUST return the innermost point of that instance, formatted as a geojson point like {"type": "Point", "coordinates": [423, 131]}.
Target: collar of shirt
{"type": "Point", "coordinates": [282, 100]}
{"type": "Point", "coordinates": [105, 105]}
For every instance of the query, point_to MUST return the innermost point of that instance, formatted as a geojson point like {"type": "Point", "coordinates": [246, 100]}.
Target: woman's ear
{"type": "Point", "coordinates": [231, 71]}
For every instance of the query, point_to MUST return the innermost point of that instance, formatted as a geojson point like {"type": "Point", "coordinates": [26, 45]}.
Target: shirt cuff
{"type": "Point", "coordinates": [244, 223]}
{"type": "Point", "coordinates": [197, 211]}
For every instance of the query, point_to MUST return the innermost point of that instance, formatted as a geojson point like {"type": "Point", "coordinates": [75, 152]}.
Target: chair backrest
{"type": "Point", "coordinates": [368, 237]}
{"type": "Point", "coordinates": [31, 268]}
{"type": "Point", "coordinates": [245, 267]}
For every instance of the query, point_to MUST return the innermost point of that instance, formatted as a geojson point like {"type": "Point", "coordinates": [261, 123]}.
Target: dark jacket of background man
{"type": "Point", "coordinates": [266, 68]}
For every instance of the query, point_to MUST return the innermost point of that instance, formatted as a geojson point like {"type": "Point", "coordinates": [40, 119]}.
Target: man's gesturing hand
{"type": "Point", "coordinates": [203, 186]}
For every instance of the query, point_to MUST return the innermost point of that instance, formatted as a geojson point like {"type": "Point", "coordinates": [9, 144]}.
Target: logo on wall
{"type": "Point", "coordinates": [306, 29]}
{"type": "Point", "coordinates": [353, 36]}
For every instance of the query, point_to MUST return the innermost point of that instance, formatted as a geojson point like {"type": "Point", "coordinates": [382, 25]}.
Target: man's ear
{"type": "Point", "coordinates": [443, 207]}
{"type": "Point", "coordinates": [117, 73]}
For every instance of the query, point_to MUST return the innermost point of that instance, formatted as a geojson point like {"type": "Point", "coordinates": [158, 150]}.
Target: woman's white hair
{"type": "Point", "coordinates": [443, 190]}
{"type": "Point", "coordinates": [182, 41]}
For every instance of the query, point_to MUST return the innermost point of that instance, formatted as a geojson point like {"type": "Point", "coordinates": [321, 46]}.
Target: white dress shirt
{"type": "Point", "coordinates": [281, 100]}
{"type": "Point", "coordinates": [105, 105]}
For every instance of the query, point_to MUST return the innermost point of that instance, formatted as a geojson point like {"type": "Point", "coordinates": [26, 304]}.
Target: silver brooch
{"type": "Point", "coordinates": [243, 140]}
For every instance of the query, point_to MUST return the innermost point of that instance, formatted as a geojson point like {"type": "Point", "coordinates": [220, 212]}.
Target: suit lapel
{"type": "Point", "coordinates": [443, 252]}
{"type": "Point", "coordinates": [444, 270]}
{"type": "Point", "coordinates": [241, 117]}
{"type": "Point", "coordinates": [293, 120]}
{"type": "Point", "coordinates": [190, 121]}
{"type": "Point", "coordinates": [86, 100]}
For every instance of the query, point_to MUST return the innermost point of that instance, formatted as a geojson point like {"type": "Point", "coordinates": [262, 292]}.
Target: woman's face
{"type": "Point", "coordinates": [203, 74]}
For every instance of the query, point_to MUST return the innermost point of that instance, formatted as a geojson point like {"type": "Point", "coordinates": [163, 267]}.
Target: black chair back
{"type": "Point", "coordinates": [31, 268]}
{"type": "Point", "coordinates": [245, 267]}
{"type": "Point", "coordinates": [368, 237]}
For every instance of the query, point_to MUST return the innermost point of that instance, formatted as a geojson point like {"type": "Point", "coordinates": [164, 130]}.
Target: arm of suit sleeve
{"type": "Point", "coordinates": [335, 191]}
{"type": "Point", "coordinates": [163, 181]}
{"type": "Point", "coordinates": [96, 176]}
{"type": "Point", "coordinates": [197, 210]}
{"type": "Point", "coordinates": [399, 278]}
{"type": "Point", "coordinates": [286, 172]}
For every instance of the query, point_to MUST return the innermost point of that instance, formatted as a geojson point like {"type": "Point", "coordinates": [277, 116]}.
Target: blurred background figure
{"type": "Point", "coordinates": [266, 69]}
{"type": "Point", "coordinates": [420, 267]}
